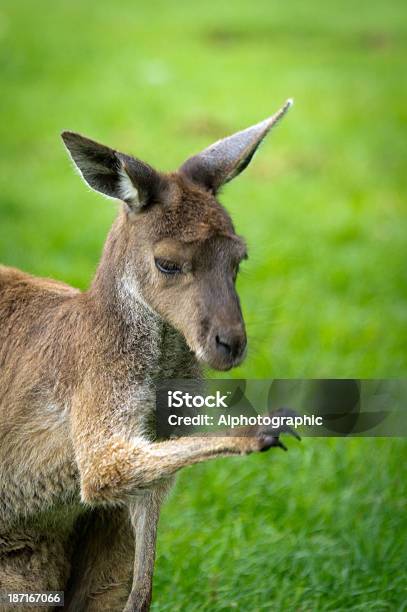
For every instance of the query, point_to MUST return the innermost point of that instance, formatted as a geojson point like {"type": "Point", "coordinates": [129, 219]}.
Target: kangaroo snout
{"type": "Point", "coordinates": [229, 346]}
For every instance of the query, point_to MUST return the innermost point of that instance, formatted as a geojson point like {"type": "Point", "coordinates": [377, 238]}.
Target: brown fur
{"type": "Point", "coordinates": [81, 473]}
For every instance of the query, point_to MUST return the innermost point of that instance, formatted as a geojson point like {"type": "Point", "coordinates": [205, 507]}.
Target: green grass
{"type": "Point", "coordinates": [324, 291]}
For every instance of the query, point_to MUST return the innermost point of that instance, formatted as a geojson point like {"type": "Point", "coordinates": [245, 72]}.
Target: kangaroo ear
{"type": "Point", "coordinates": [114, 174]}
{"type": "Point", "coordinates": [226, 158]}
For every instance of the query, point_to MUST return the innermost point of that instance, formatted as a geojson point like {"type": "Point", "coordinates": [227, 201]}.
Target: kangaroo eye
{"type": "Point", "coordinates": [167, 267]}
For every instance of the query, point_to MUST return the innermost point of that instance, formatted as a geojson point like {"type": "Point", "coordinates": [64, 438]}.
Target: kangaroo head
{"type": "Point", "coordinates": [177, 244]}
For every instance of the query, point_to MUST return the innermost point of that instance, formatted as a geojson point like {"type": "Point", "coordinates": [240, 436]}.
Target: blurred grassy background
{"type": "Point", "coordinates": [324, 292]}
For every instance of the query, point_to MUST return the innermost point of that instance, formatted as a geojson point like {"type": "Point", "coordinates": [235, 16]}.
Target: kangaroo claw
{"type": "Point", "coordinates": [271, 435]}
{"type": "Point", "coordinates": [290, 431]}
{"type": "Point", "coordinates": [270, 441]}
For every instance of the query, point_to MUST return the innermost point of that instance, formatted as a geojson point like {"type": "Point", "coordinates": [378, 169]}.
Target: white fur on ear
{"type": "Point", "coordinates": [111, 173]}
{"type": "Point", "coordinates": [222, 161]}
{"type": "Point", "coordinates": [128, 192]}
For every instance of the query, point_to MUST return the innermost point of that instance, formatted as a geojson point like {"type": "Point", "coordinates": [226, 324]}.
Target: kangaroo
{"type": "Point", "coordinates": [82, 473]}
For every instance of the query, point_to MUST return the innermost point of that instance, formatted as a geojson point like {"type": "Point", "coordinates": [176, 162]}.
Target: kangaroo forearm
{"type": "Point", "coordinates": [144, 513]}
{"type": "Point", "coordinates": [189, 450]}
{"type": "Point", "coordinates": [120, 468]}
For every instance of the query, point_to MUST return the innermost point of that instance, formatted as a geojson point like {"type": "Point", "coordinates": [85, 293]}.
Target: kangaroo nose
{"type": "Point", "coordinates": [230, 345]}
